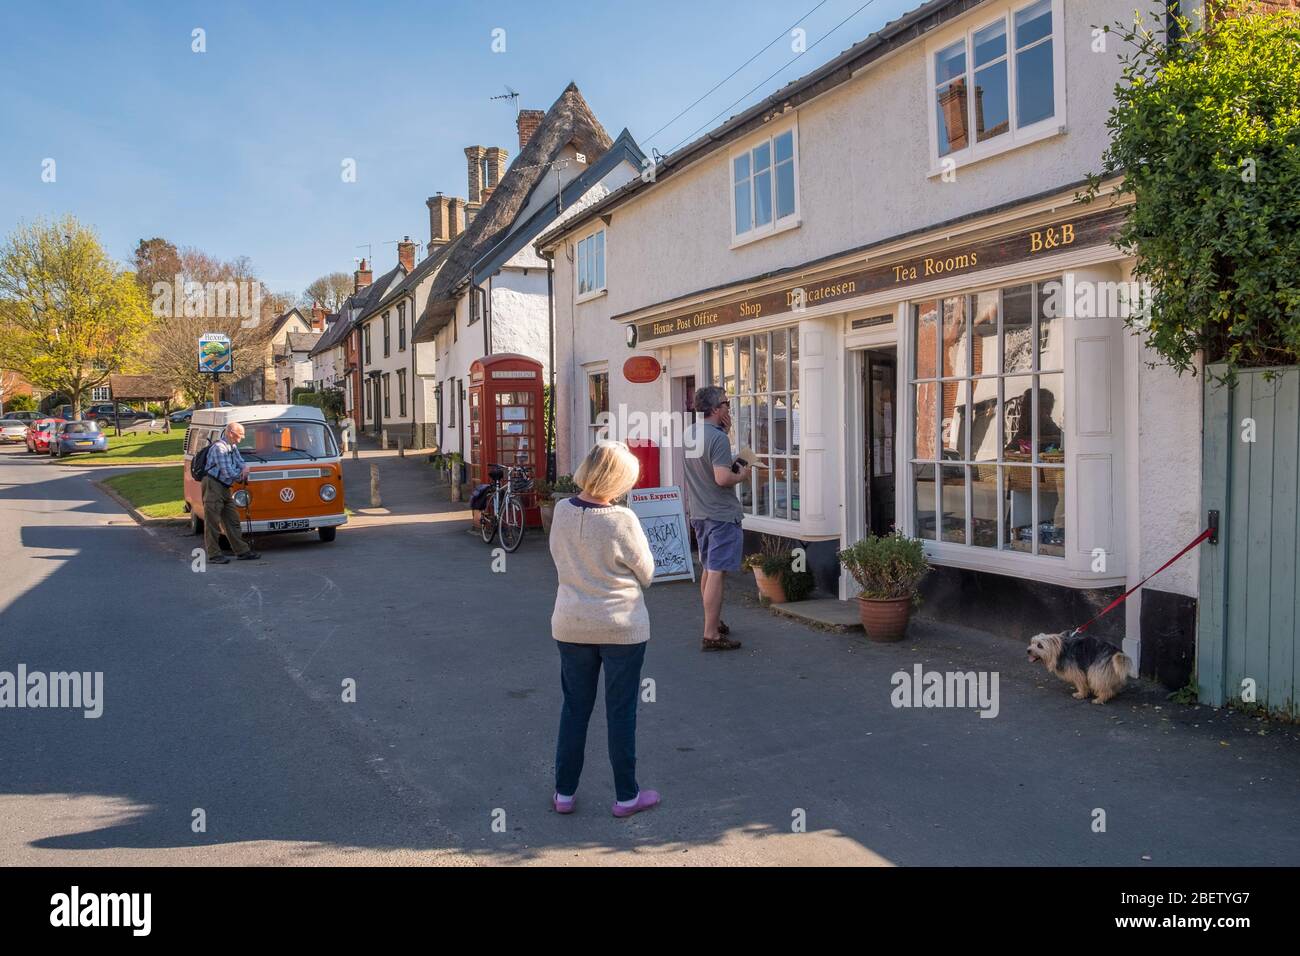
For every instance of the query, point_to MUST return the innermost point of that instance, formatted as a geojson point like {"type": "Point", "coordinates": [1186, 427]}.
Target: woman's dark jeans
{"type": "Point", "coordinates": [579, 674]}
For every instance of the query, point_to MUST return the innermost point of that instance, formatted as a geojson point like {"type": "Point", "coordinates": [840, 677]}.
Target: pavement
{"type": "Point", "coordinates": [224, 703]}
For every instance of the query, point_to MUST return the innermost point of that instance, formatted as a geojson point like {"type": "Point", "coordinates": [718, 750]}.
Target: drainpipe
{"type": "Point", "coordinates": [550, 351]}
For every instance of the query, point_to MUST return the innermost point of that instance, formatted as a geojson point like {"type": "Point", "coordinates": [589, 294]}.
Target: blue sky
{"type": "Point", "coordinates": [238, 150]}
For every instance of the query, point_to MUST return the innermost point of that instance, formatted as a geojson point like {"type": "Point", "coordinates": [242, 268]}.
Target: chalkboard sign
{"type": "Point", "coordinates": [663, 519]}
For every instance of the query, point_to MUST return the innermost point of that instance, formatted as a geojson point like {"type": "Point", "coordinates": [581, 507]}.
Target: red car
{"type": "Point", "coordinates": [38, 434]}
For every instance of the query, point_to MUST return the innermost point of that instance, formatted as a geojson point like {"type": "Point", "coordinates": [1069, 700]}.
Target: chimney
{"type": "Point", "coordinates": [361, 278]}
{"type": "Point", "coordinates": [446, 219]}
{"type": "Point", "coordinates": [456, 216]}
{"type": "Point", "coordinates": [317, 317]}
{"type": "Point", "coordinates": [527, 122]}
{"type": "Point", "coordinates": [406, 253]}
{"type": "Point", "coordinates": [496, 160]}
{"type": "Point", "coordinates": [487, 193]}
{"type": "Point", "coordinates": [474, 160]}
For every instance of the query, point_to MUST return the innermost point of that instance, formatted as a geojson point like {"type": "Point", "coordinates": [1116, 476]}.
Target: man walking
{"type": "Point", "coordinates": [225, 468]}
{"type": "Point", "coordinates": [714, 508]}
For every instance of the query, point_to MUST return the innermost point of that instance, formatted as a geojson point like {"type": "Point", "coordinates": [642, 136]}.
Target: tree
{"type": "Point", "coordinates": [193, 293]}
{"type": "Point", "coordinates": [1206, 133]}
{"type": "Point", "coordinates": [69, 315]}
{"type": "Point", "coordinates": [329, 290]}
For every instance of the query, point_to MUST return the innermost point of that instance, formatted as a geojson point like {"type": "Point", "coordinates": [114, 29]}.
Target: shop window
{"type": "Point", "coordinates": [760, 374]}
{"type": "Point", "coordinates": [765, 187]}
{"type": "Point", "coordinates": [591, 264]}
{"type": "Point", "coordinates": [597, 405]}
{"type": "Point", "coordinates": [998, 85]}
{"type": "Point", "coordinates": [988, 407]}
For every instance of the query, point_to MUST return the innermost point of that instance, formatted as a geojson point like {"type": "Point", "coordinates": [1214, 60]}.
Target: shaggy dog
{"type": "Point", "coordinates": [1091, 665]}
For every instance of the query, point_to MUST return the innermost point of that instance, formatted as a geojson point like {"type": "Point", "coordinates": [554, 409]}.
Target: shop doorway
{"type": "Point", "coordinates": [880, 397]}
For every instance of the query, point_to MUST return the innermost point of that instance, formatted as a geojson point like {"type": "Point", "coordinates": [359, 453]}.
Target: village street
{"type": "Point", "coordinates": [222, 692]}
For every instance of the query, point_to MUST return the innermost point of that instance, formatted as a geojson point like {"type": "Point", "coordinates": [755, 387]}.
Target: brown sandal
{"type": "Point", "coordinates": [721, 644]}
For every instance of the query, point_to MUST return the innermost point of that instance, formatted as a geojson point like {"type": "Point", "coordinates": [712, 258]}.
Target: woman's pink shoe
{"type": "Point", "coordinates": [644, 801]}
{"type": "Point", "coordinates": [564, 806]}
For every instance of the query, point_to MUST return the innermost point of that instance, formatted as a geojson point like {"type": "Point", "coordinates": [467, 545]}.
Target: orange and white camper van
{"type": "Point", "coordinates": [295, 480]}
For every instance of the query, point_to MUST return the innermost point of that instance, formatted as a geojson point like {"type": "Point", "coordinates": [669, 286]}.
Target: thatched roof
{"type": "Point", "coordinates": [569, 122]}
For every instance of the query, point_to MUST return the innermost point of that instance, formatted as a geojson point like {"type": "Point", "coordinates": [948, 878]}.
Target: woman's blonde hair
{"type": "Point", "coordinates": [609, 471]}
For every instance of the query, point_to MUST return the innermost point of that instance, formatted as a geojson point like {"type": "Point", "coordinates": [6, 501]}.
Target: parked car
{"type": "Point", "coordinates": [184, 414]}
{"type": "Point", "coordinates": [103, 411]}
{"type": "Point", "coordinates": [23, 416]}
{"type": "Point", "coordinates": [12, 430]}
{"type": "Point", "coordinates": [38, 434]}
{"type": "Point", "coordinates": [69, 438]}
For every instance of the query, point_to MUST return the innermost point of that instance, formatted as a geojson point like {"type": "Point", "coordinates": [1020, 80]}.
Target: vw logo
{"type": "Point", "coordinates": [286, 494]}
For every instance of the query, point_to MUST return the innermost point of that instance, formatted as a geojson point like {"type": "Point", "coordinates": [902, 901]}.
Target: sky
{"type": "Point", "coordinates": [239, 150]}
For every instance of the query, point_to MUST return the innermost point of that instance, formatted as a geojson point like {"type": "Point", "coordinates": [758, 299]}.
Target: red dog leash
{"type": "Point", "coordinates": [1207, 533]}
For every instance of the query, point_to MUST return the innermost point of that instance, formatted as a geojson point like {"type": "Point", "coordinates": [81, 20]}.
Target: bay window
{"type": "Point", "coordinates": [988, 402]}
{"type": "Point", "coordinates": [760, 374]}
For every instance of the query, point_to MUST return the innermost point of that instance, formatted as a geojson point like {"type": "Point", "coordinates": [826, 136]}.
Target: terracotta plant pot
{"type": "Point", "coordinates": [769, 587]}
{"type": "Point", "coordinates": [885, 621]}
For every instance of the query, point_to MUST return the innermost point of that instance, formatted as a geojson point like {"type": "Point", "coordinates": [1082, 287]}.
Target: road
{"type": "Point", "coordinates": [223, 693]}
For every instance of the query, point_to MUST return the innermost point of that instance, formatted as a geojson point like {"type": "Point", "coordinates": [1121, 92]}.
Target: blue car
{"type": "Point", "coordinates": [71, 438]}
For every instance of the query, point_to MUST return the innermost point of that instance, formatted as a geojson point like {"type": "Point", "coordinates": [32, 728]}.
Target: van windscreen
{"type": "Point", "coordinates": [287, 441]}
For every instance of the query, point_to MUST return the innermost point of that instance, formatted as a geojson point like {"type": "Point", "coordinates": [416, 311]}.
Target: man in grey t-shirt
{"type": "Point", "coordinates": [715, 513]}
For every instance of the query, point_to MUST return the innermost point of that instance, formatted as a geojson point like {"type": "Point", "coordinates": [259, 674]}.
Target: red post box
{"type": "Point", "coordinates": [506, 419]}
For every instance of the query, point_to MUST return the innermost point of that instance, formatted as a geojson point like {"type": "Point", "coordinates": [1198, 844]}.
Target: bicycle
{"type": "Point", "coordinates": [503, 513]}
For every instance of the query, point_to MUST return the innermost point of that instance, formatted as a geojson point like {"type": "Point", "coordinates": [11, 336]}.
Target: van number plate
{"type": "Point", "coordinates": [298, 524]}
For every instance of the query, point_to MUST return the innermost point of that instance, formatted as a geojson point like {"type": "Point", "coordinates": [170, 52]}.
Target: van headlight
{"type": "Point", "coordinates": [241, 498]}
{"type": "Point", "coordinates": [328, 492]}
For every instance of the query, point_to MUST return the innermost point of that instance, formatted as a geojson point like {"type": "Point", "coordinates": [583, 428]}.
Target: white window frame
{"type": "Point", "coordinates": [95, 395]}
{"type": "Point", "coordinates": [1016, 136]}
{"type": "Point", "coordinates": [593, 429]}
{"type": "Point", "coordinates": [777, 225]}
{"type": "Point", "coordinates": [580, 260]}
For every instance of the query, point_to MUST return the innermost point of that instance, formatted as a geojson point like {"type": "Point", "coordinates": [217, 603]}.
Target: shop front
{"type": "Point", "coordinates": [966, 388]}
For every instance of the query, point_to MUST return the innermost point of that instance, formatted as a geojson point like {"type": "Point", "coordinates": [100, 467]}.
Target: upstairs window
{"type": "Point", "coordinates": [591, 264]}
{"type": "Point", "coordinates": [401, 327]}
{"type": "Point", "coordinates": [764, 187]}
{"type": "Point", "coordinates": [385, 335]}
{"type": "Point", "coordinates": [999, 85]}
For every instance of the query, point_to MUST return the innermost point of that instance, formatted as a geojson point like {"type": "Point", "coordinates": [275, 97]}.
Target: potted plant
{"type": "Point", "coordinates": [778, 576]}
{"type": "Point", "coordinates": [888, 570]}
{"type": "Point", "coordinates": [545, 502]}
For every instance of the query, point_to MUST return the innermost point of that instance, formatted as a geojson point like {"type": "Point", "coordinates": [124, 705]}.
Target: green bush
{"type": "Point", "coordinates": [565, 485]}
{"type": "Point", "coordinates": [888, 567]}
{"type": "Point", "coordinates": [1205, 131]}
{"type": "Point", "coordinates": [20, 403]}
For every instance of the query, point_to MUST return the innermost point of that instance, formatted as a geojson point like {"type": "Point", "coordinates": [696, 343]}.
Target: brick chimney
{"type": "Point", "coordinates": [406, 253]}
{"type": "Point", "coordinates": [446, 219]}
{"type": "Point", "coordinates": [474, 161]}
{"type": "Point", "coordinates": [487, 193]}
{"type": "Point", "coordinates": [527, 122]}
{"type": "Point", "coordinates": [361, 278]}
{"type": "Point", "coordinates": [486, 165]}
{"type": "Point", "coordinates": [317, 317]}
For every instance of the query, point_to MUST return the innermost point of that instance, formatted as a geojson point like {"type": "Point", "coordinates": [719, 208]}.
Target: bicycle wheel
{"type": "Point", "coordinates": [512, 524]}
{"type": "Point", "coordinates": [487, 522]}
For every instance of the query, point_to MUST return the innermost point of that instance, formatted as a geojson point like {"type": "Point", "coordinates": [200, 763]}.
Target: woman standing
{"type": "Point", "coordinates": [600, 620]}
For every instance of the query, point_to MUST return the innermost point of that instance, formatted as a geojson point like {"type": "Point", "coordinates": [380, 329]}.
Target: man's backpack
{"type": "Point", "coordinates": [199, 463]}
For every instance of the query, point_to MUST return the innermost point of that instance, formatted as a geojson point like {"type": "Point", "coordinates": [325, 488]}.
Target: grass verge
{"type": "Point", "coordinates": [155, 492]}
{"type": "Point", "coordinates": [137, 448]}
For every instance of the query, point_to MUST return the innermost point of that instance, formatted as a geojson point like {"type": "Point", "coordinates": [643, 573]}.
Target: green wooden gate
{"type": "Point", "coordinates": [1249, 608]}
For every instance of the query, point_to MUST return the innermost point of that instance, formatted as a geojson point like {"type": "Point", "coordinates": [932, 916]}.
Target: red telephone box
{"type": "Point", "coordinates": [647, 454]}
{"type": "Point", "coordinates": [506, 425]}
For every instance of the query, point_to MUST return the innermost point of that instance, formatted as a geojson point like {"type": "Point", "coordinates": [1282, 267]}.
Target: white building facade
{"type": "Point", "coordinates": [921, 329]}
